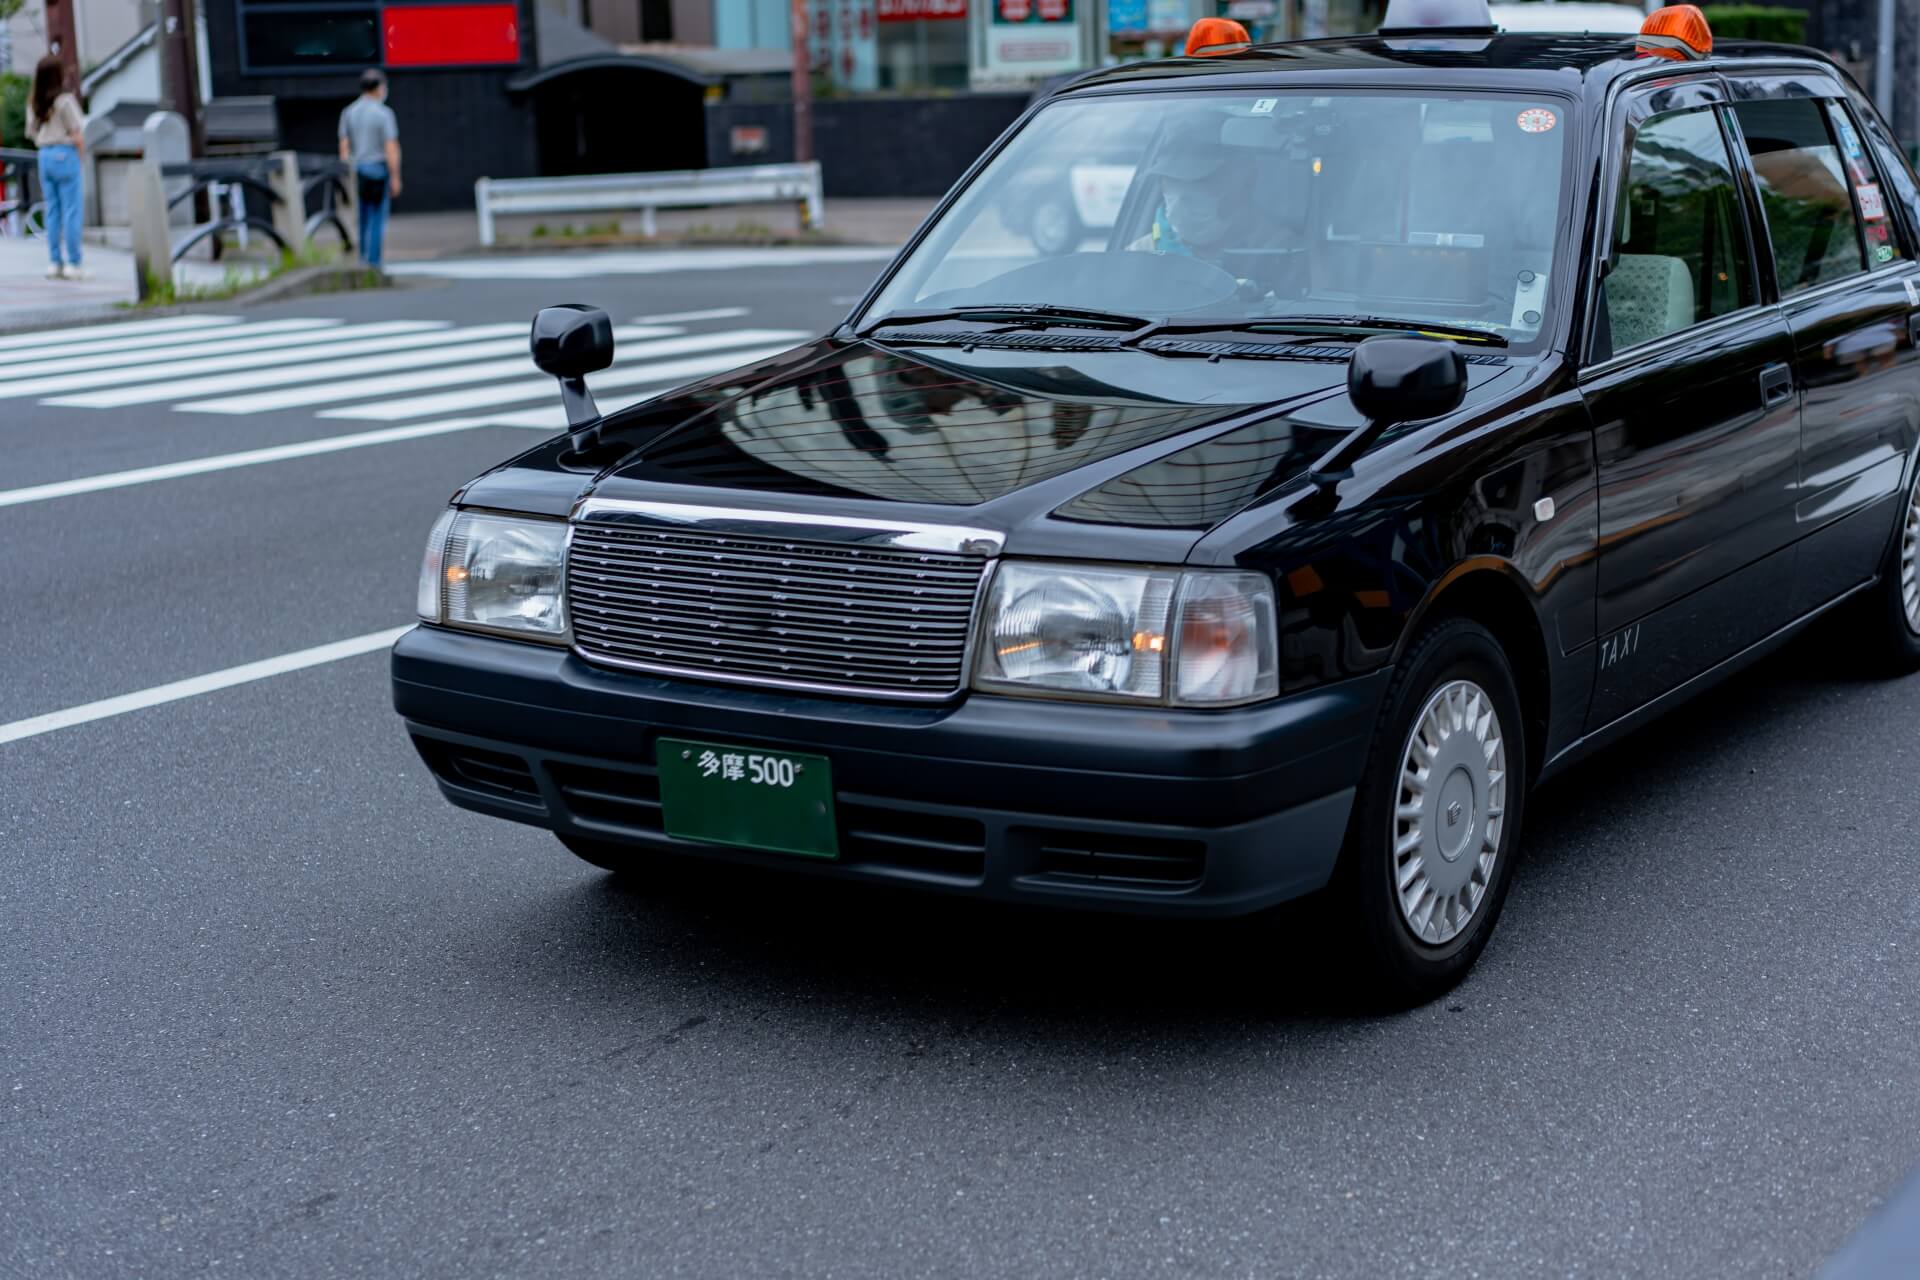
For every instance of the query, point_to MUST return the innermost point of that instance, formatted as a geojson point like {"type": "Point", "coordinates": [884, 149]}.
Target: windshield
{"type": "Point", "coordinates": [1441, 208]}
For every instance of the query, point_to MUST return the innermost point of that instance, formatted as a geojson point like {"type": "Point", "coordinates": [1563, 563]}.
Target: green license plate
{"type": "Point", "coordinates": [776, 800]}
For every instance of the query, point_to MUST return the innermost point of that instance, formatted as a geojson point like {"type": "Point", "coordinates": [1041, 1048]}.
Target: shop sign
{"type": "Point", "coordinates": [1029, 39]}
{"type": "Point", "coordinates": [922, 10]}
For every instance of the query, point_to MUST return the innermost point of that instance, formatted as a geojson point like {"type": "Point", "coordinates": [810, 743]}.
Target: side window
{"type": "Point", "coordinates": [1870, 199]}
{"type": "Point", "coordinates": [1804, 191]}
{"type": "Point", "coordinates": [1681, 239]}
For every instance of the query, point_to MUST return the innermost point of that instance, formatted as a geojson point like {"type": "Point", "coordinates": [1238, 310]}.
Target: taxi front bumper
{"type": "Point", "coordinates": [1125, 808]}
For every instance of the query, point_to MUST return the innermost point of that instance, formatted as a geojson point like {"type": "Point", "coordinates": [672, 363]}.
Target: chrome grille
{"type": "Point", "coordinates": [772, 610]}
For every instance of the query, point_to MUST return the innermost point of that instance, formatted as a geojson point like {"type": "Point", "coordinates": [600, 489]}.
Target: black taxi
{"type": "Point", "coordinates": [1438, 406]}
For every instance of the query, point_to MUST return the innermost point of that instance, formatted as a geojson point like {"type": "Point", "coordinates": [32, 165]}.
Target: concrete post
{"type": "Point", "coordinates": [147, 220]}
{"type": "Point", "coordinates": [484, 210]}
{"type": "Point", "coordinates": [290, 210]}
{"type": "Point", "coordinates": [164, 139]}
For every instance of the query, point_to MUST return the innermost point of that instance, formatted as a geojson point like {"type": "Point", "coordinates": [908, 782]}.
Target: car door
{"type": "Point", "coordinates": [1841, 261]}
{"type": "Point", "coordinates": [1689, 381]}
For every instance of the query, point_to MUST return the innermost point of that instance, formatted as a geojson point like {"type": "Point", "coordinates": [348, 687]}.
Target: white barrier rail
{"type": "Point", "coordinates": [647, 192]}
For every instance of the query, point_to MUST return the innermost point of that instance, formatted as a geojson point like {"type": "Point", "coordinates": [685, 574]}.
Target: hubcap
{"type": "Point", "coordinates": [1910, 561]}
{"type": "Point", "coordinates": [1451, 805]}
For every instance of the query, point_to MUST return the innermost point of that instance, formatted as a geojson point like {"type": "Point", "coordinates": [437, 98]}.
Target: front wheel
{"type": "Point", "coordinates": [1436, 822]}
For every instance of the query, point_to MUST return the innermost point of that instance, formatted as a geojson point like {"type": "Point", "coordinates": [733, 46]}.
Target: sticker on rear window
{"type": "Point", "coordinates": [1537, 120]}
{"type": "Point", "coordinates": [1871, 205]}
{"type": "Point", "coordinates": [1264, 106]}
{"type": "Point", "coordinates": [1883, 253]}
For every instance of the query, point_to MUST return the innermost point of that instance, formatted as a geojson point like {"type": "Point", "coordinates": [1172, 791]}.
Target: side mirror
{"type": "Point", "coordinates": [571, 341]}
{"type": "Point", "coordinates": [1394, 380]}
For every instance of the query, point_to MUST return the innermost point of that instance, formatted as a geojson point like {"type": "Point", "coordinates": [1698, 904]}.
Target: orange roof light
{"type": "Point", "coordinates": [1679, 31]}
{"type": "Point", "coordinates": [1211, 37]}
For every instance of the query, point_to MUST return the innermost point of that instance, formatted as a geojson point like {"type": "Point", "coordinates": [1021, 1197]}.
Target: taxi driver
{"type": "Point", "coordinates": [1205, 192]}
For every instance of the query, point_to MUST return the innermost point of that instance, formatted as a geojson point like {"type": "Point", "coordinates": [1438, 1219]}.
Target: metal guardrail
{"type": "Point", "coordinates": [648, 192]}
{"type": "Point", "coordinates": [229, 182]}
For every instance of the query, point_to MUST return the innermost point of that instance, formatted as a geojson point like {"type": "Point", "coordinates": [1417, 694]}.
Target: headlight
{"type": "Point", "coordinates": [1195, 638]}
{"type": "Point", "coordinates": [496, 573]}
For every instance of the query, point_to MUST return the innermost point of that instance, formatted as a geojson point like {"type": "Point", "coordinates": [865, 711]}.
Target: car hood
{"type": "Point", "coordinates": [1038, 445]}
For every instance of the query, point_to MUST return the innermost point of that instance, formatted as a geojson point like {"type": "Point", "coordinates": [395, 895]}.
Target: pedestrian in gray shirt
{"type": "Point", "coordinates": [370, 143]}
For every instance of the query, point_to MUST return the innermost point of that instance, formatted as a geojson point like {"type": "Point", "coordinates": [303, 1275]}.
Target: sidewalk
{"type": "Point", "coordinates": [28, 298]}
{"type": "Point", "coordinates": [870, 222]}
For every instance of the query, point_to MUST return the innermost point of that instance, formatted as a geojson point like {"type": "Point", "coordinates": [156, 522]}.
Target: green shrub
{"type": "Point", "coordinates": [13, 109]}
{"type": "Point", "coordinates": [1756, 22]}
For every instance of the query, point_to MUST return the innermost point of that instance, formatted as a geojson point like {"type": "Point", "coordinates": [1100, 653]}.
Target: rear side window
{"type": "Point", "coordinates": [1682, 248]}
{"type": "Point", "coordinates": [1804, 191]}
{"type": "Point", "coordinates": [1870, 199]}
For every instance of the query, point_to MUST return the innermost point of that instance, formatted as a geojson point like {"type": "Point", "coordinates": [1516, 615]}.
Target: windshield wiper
{"type": "Point", "coordinates": [1316, 324]}
{"type": "Point", "coordinates": [1037, 315]}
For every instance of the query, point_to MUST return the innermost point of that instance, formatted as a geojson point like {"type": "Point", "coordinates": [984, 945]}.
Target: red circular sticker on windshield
{"type": "Point", "coordinates": [1537, 120]}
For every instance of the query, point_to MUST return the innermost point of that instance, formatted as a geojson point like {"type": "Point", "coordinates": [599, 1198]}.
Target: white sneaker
{"type": "Point", "coordinates": [55, 272]}
{"type": "Point", "coordinates": [74, 272]}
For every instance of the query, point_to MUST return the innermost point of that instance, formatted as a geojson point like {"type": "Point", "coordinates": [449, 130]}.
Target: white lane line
{"type": "Point", "coordinates": [228, 461]}
{"type": "Point", "coordinates": [324, 345]}
{"type": "Point", "coordinates": [507, 393]}
{"type": "Point", "coordinates": [124, 329]}
{"type": "Point", "coordinates": [579, 266]}
{"type": "Point", "coordinates": [274, 333]}
{"type": "Point", "coordinates": [61, 349]}
{"type": "Point", "coordinates": [467, 377]}
{"type": "Point", "coordinates": [677, 317]}
{"type": "Point", "coordinates": [324, 365]}
{"type": "Point", "coordinates": [245, 673]}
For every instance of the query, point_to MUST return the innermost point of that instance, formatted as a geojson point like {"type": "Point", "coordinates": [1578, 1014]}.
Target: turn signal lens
{"type": "Point", "coordinates": [427, 596]}
{"type": "Point", "coordinates": [1679, 32]}
{"type": "Point", "coordinates": [1227, 652]}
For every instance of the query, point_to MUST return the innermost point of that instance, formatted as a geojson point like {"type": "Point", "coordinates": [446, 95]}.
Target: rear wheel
{"type": "Point", "coordinates": [1895, 604]}
{"type": "Point", "coordinates": [1430, 848]}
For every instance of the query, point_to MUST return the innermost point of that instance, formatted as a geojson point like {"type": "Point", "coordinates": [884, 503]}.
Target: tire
{"type": "Point", "coordinates": [1451, 680]}
{"type": "Point", "coordinates": [1892, 609]}
{"type": "Point", "coordinates": [623, 860]}
{"type": "Point", "coordinates": [1054, 226]}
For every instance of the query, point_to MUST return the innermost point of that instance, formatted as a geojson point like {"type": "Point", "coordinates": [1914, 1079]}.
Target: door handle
{"type": "Point", "coordinates": [1776, 384]}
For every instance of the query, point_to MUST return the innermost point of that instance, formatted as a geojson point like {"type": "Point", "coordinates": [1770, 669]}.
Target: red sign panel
{"type": "Point", "coordinates": [916, 10]}
{"type": "Point", "coordinates": [452, 35]}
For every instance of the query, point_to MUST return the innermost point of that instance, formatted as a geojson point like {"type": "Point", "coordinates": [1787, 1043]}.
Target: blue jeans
{"type": "Point", "coordinates": [372, 180]}
{"type": "Point", "coordinates": [60, 182]}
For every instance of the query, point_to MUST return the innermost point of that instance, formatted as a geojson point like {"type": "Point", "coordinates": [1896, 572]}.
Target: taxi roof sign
{"type": "Point", "coordinates": [1211, 37]}
{"type": "Point", "coordinates": [1679, 32]}
{"type": "Point", "coordinates": [1442, 15]}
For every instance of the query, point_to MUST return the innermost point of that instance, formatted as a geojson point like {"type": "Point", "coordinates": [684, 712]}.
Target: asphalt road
{"type": "Point", "coordinates": [272, 1008]}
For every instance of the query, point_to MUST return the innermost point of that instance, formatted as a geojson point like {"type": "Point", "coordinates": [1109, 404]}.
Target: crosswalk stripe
{"type": "Point", "coordinates": [229, 461]}
{"type": "Point", "coordinates": [464, 375]}
{"type": "Point", "coordinates": [122, 329]}
{"type": "Point", "coordinates": [684, 317]}
{"type": "Point", "coordinates": [318, 367]}
{"type": "Point", "coordinates": [553, 417]}
{"type": "Point", "coordinates": [62, 349]}
{"type": "Point", "coordinates": [323, 346]}
{"type": "Point", "coordinates": [666, 371]}
{"type": "Point", "coordinates": [274, 333]}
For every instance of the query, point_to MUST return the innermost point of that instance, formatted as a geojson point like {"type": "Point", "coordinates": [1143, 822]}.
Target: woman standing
{"type": "Point", "coordinates": [56, 126]}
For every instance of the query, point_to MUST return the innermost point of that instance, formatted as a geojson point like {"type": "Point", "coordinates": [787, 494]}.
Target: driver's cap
{"type": "Point", "coordinates": [1190, 149]}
